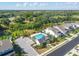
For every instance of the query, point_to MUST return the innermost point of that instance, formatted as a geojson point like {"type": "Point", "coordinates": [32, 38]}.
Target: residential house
{"type": "Point", "coordinates": [71, 25]}
{"type": "Point", "coordinates": [6, 48]}
{"type": "Point", "coordinates": [77, 24]}
{"type": "Point", "coordinates": [25, 43]}
{"type": "Point", "coordinates": [52, 31]}
{"type": "Point", "coordinates": [62, 29]}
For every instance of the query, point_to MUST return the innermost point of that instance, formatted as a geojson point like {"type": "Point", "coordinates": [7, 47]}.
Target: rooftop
{"type": "Point", "coordinates": [25, 43]}
{"type": "Point", "coordinates": [56, 31]}
{"type": "Point", "coordinates": [5, 45]}
{"type": "Point", "coordinates": [62, 28]}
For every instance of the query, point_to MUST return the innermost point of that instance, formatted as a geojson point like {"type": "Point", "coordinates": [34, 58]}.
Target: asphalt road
{"type": "Point", "coordinates": [65, 48]}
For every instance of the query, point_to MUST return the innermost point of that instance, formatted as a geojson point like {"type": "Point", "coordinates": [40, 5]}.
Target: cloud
{"type": "Point", "coordinates": [30, 4]}
{"type": "Point", "coordinates": [43, 4]}
{"type": "Point", "coordinates": [18, 4]}
{"type": "Point", "coordinates": [25, 4]}
{"type": "Point", "coordinates": [35, 3]}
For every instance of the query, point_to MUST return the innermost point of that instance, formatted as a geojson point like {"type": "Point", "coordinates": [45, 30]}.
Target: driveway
{"type": "Point", "coordinates": [25, 44]}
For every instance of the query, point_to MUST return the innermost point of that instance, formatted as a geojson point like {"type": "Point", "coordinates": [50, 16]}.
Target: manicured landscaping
{"type": "Point", "coordinates": [54, 41]}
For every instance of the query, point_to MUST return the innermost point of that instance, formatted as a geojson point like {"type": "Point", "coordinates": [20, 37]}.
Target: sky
{"type": "Point", "coordinates": [39, 5]}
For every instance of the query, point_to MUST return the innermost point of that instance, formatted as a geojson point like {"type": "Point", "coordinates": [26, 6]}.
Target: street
{"type": "Point", "coordinates": [65, 48]}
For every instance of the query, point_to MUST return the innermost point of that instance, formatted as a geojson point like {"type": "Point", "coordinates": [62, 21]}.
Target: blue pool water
{"type": "Point", "coordinates": [39, 36]}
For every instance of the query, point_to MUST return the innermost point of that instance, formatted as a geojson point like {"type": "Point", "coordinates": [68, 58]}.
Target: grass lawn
{"type": "Point", "coordinates": [42, 50]}
{"type": "Point", "coordinates": [53, 44]}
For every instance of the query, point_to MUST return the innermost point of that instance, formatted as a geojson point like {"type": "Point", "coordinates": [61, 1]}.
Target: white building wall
{"type": "Point", "coordinates": [50, 32]}
{"type": "Point", "coordinates": [37, 42]}
{"type": "Point", "coordinates": [77, 25]}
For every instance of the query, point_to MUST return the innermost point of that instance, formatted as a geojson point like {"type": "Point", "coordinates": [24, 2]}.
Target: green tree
{"type": "Point", "coordinates": [19, 19]}
{"type": "Point", "coordinates": [4, 21]}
